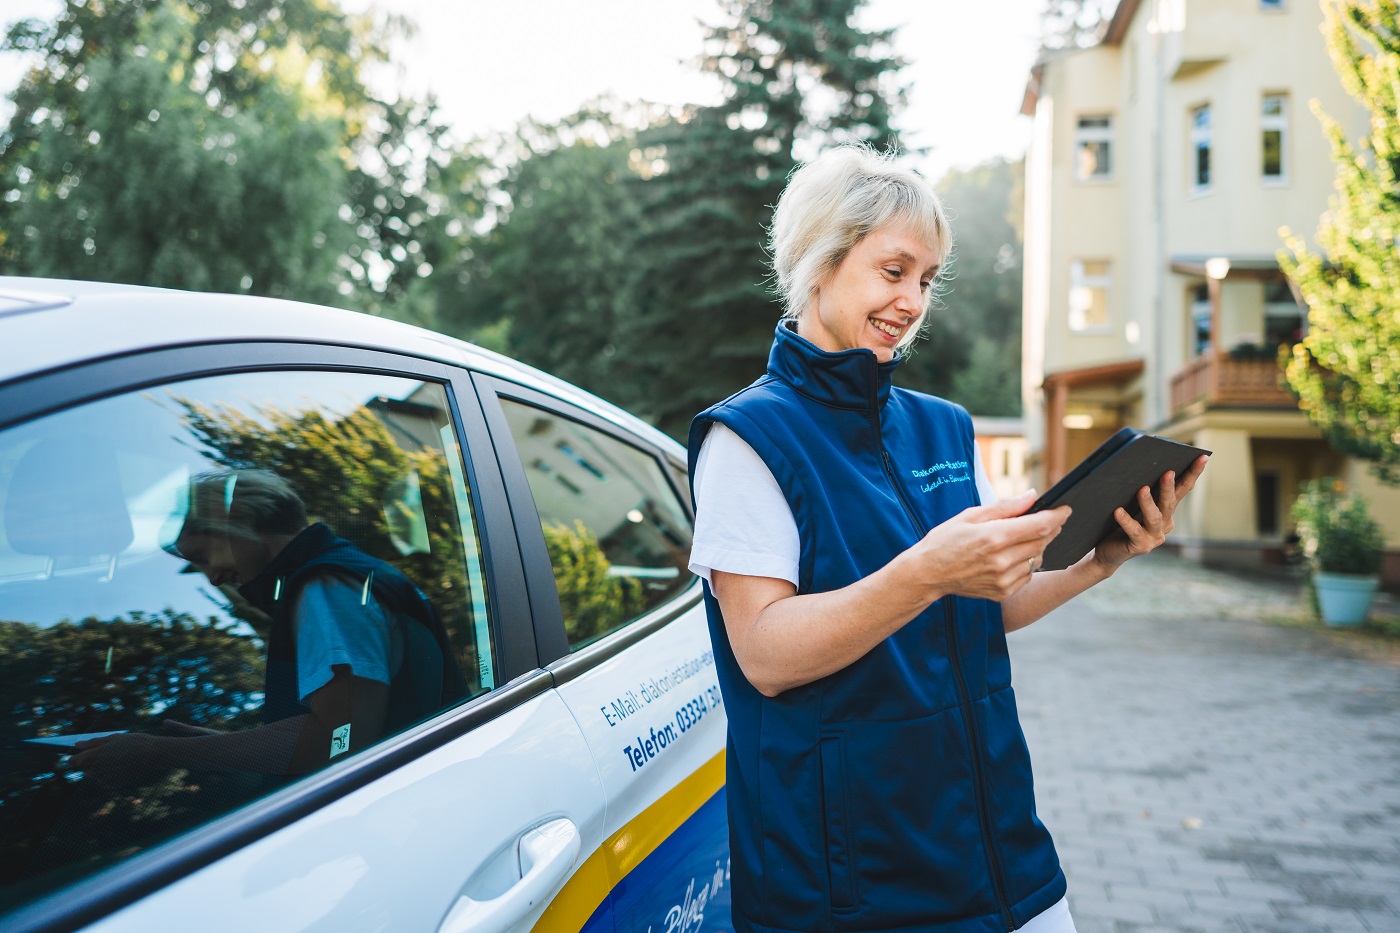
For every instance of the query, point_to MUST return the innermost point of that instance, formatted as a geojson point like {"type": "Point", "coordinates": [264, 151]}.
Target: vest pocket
{"type": "Point", "coordinates": [840, 858]}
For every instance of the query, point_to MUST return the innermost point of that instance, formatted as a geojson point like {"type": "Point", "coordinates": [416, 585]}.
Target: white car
{"type": "Point", "coordinates": [566, 771]}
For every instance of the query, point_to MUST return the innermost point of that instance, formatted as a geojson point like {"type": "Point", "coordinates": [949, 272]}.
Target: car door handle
{"type": "Point", "coordinates": [537, 865]}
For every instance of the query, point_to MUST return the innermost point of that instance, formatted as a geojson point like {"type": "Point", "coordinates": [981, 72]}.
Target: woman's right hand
{"type": "Point", "coordinates": [987, 551]}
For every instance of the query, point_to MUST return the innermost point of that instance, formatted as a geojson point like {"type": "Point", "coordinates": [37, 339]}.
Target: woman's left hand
{"type": "Point", "coordinates": [1135, 538]}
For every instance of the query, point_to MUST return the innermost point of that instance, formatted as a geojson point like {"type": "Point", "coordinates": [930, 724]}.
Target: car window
{"type": "Point", "coordinates": [681, 480]}
{"type": "Point", "coordinates": [618, 538]}
{"type": "Point", "coordinates": [242, 578]}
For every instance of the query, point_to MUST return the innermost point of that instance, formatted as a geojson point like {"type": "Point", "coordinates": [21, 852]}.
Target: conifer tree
{"type": "Point", "coordinates": [1347, 369]}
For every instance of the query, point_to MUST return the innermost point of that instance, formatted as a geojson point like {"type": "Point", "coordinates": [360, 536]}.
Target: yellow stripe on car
{"type": "Point", "coordinates": [627, 848]}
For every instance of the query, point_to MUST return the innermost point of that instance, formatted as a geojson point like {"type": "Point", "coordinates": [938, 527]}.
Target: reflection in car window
{"type": "Point", "coordinates": [216, 586]}
{"type": "Point", "coordinates": [617, 536]}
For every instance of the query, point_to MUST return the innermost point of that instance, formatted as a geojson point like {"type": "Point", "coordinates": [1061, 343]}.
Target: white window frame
{"type": "Point", "coordinates": [1089, 135]}
{"type": "Point", "coordinates": [1080, 282]}
{"type": "Point", "coordinates": [1276, 122]}
{"type": "Point", "coordinates": [1202, 137]}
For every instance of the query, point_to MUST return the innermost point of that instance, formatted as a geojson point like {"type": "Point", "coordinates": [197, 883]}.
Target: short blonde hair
{"type": "Point", "coordinates": [832, 203]}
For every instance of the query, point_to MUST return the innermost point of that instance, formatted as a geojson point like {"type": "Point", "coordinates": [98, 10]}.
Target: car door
{"type": "Point", "coordinates": [625, 637]}
{"type": "Point", "coordinates": [466, 813]}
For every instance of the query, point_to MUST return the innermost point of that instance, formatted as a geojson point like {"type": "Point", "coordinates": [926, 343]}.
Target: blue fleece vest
{"type": "Point", "coordinates": [894, 794]}
{"type": "Point", "coordinates": [429, 679]}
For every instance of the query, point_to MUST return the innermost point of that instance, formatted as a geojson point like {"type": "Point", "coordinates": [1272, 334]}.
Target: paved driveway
{"type": "Point", "coordinates": [1203, 770]}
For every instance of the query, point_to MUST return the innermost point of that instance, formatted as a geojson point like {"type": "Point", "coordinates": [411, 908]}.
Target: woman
{"type": "Point", "coordinates": [354, 650]}
{"type": "Point", "coordinates": [859, 592]}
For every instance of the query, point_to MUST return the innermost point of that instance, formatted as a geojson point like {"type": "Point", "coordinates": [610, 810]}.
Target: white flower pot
{"type": "Point", "coordinates": [1345, 598]}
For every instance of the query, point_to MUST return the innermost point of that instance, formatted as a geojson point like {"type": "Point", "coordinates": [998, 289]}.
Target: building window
{"type": "Point", "coordinates": [1093, 149]}
{"type": "Point", "coordinates": [1273, 124]}
{"type": "Point", "coordinates": [1200, 318]}
{"type": "Point", "coordinates": [1284, 320]}
{"type": "Point", "coordinates": [1090, 280]}
{"type": "Point", "coordinates": [1200, 148]}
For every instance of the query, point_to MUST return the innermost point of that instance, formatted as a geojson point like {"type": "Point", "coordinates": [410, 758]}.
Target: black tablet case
{"type": "Point", "coordinates": [1108, 478]}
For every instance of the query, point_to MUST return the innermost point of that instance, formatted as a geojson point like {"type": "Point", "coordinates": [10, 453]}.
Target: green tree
{"type": "Point", "coordinates": [117, 166]}
{"type": "Point", "coordinates": [96, 675]}
{"type": "Point", "coordinates": [231, 147]}
{"type": "Point", "coordinates": [797, 74]}
{"type": "Point", "coordinates": [971, 348]}
{"type": "Point", "coordinates": [413, 197]}
{"type": "Point", "coordinates": [1346, 369]}
{"type": "Point", "coordinates": [554, 265]}
{"type": "Point", "coordinates": [593, 602]}
{"type": "Point", "coordinates": [93, 675]}
{"type": "Point", "coordinates": [347, 470]}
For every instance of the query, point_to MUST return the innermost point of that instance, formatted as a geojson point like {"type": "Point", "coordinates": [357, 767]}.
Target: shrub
{"type": "Point", "coordinates": [1336, 530]}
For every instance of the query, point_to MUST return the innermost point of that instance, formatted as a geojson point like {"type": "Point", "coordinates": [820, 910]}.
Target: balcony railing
{"type": "Point", "coordinates": [1222, 381]}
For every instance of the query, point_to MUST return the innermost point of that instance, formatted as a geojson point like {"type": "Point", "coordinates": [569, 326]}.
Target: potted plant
{"type": "Point", "coordinates": [1343, 545]}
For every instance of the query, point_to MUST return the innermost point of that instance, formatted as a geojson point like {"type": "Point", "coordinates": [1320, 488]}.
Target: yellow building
{"type": "Point", "coordinates": [1162, 165]}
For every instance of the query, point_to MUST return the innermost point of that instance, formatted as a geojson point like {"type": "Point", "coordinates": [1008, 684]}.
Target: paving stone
{"type": "Point", "coordinates": [1093, 924]}
{"type": "Point", "coordinates": [1385, 874]}
{"type": "Point", "coordinates": [1379, 921]}
{"type": "Point", "coordinates": [1117, 913]}
{"type": "Point", "coordinates": [1260, 890]}
{"type": "Point", "coordinates": [1192, 884]}
{"type": "Point", "coordinates": [1202, 770]}
{"type": "Point", "coordinates": [1317, 864]}
{"type": "Point", "coordinates": [1221, 905]}
{"type": "Point", "coordinates": [1157, 897]}
{"type": "Point", "coordinates": [1275, 925]}
{"type": "Point", "coordinates": [1177, 922]}
{"type": "Point", "coordinates": [1107, 874]}
{"type": "Point", "coordinates": [1334, 920]}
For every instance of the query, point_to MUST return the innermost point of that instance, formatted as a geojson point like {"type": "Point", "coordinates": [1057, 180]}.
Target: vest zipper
{"type": "Point", "coordinates": [899, 493]}
{"type": "Point", "coordinates": [974, 746]}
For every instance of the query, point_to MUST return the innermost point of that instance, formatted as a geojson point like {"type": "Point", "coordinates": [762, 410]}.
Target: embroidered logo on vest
{"type": "Point", "coordinates": [942, 474]}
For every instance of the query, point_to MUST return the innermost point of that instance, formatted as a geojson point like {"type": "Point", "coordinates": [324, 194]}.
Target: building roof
{"type": "Point", "coordinates": [1111, 34]}
{"type": "Point", "coordinates": [1119, 23]}
{"type": "Point", "coordinates": [1032, 92]}
{"type": "Point", "coordinates": [1240, 266]}
{"type": "Point", "coordinates": [1104, 374]}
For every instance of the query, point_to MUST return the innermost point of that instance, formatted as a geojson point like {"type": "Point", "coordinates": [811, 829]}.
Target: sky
{"type": "Point", "coordinates": [491, 63]}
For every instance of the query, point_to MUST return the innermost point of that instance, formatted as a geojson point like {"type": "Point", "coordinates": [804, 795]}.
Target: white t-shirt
{"type": "Point", "coordinates": [742, 520]}
{"type": "Point", "coordinates": [743, 525]}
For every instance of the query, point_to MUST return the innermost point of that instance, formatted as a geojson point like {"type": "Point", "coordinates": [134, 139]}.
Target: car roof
{"type": "Point", "coordinates": [53, 324]}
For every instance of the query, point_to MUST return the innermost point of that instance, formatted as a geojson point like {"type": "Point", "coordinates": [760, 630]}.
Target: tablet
{"type": "Point", "coordinates": [1107, 479]}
